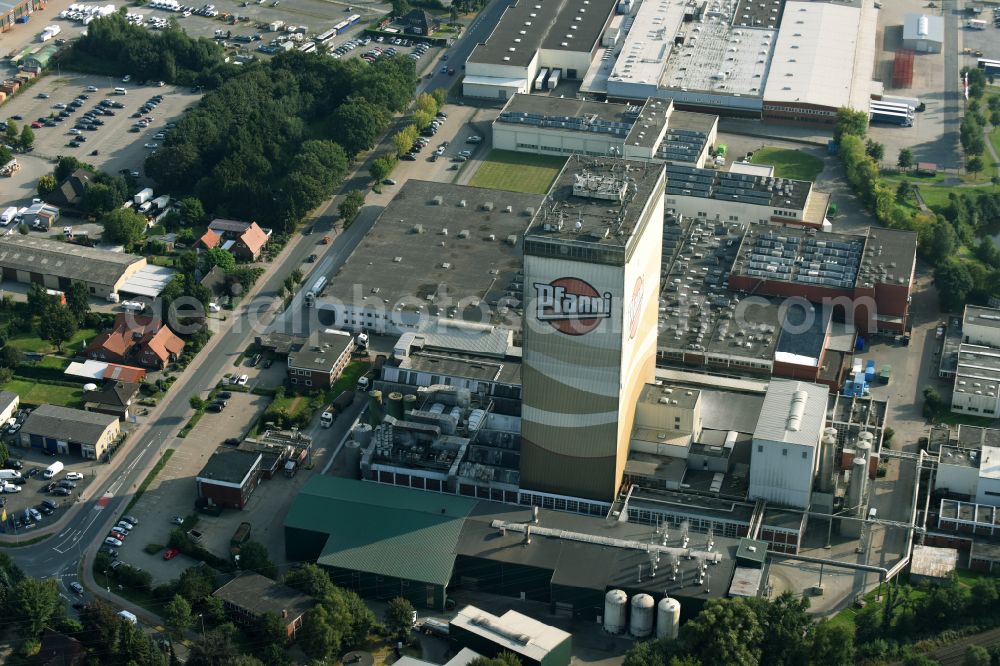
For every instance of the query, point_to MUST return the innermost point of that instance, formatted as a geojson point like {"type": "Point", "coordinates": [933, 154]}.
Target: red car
{"type": "Point", "coordinates": [118, 535]}
{"type": "Point", "coordinates": [170, 553]}
{"type": "Point", "coordinates": [36, 124]}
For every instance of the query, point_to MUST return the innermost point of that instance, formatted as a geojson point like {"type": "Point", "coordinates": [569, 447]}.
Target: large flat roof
{"type": "Point", "coordinates": [432, 246]}
{"type": "Point", "coordinates": [65, 423]}
{"type": "Point", "coordinates": [980, 316]}
{"type": "Point", "coordinates": [605, 196]}
{"type": "Point", "coordinates": [739, 187]}
{"type": "Point", "coordinates": [773, 253]}
{"type": "Point", "coordinates": [512, 631]}
{"type": "Point", "coordinates": [48, 257]}
{"type": "Point", "coordinates": [978, 370]}
{"type": "Point", "coordinates": [461, 365]}
{"type": "Point", "coordinates": [570, 114]}
{"type": "Point", "coordinates": [529, 25]}
{"type": "Point", "coordinates": [923, 26]}
{"type": "Point", "coordinates": [824, 55]}
{"type": "Point", "coordinates": [889, 257]}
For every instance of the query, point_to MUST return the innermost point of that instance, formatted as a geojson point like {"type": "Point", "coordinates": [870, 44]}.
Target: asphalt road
{"type": "Point", "coordinates": [60, 555]}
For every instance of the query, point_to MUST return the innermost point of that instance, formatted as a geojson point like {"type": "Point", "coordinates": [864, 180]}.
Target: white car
{"type": "Point", "coordinates": [214, 307]}
{"type": "Point", "coordinates": [242, 381]}
{"type": "Point", "coordinates": [74, 476]}
{"type": "Point", "coordinates": [11, 488]}
{"type": "Point", "coordinates": [126, 78]}
{"type": "Point", "coordinates": [123, 526]}
{"type": "Point", "coordinates": [91, 89]}
{"type": "Point", "coordinates": [151, 145]}
{"type": "Point", "coordinates": [111, 541]}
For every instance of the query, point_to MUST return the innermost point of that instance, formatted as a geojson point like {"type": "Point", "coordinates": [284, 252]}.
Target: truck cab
{"type": "Point", "coordinates": [327, 417]}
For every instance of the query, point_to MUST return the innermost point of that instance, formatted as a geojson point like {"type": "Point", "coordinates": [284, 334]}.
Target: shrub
{"type": "Point", "coordinates": [153, 548]}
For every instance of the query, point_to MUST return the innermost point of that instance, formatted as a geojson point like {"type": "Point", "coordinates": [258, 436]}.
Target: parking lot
{"type": "Point", "coordinates": [35, 489]}
{"type": "Point", "coordinates": [116, 146]}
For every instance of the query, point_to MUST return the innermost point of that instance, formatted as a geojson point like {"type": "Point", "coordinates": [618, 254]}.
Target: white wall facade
{"type": "Point", "coordinates": [727, 211]}
{"type": "Point", "coordinates": [978, 334]}
{"type": "Point", "coordinates": [782, 472]}
{"type": "Point", "coordinates": [565, 60]}
{"type": "Point", "coordinates": [552, 141]}
{"type": "Point", "coordinates": [958, 479]}
{"type": "Point", "coordinates": [967, 401]}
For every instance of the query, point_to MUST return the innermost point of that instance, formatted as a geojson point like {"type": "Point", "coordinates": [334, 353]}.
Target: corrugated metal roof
{"type": "Point", "coordinates": [381, 529]}
{"type": "Point", "coordinates": [793, 412]}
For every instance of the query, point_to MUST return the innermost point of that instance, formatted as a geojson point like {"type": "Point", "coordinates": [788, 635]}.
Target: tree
{"type": "Point", "coordinates": [440, 96]}
{"type": "Point", "coordinates": [995, 115]}
{"type": "Point", "coordinates": [874, 150]}
{"type": "Point", "coordinates": [192, 211]}
{"type": "Point", "coordinates": [453, 13]}
{"type": "Point", "coordinates": [57, 325]}
{"type": "Point", "coordinates": [46, 183]}
{"type": "Point", "coordinates": [177, 615]}
{"type": "Point", "coordinates": [784, 622]}
{"type": "Point", "coordinates": [357, 124]}
{"type": "Point", "coordinates": [78, 301]}
{"type": "Point", "coordinates": [382, 167]}
{"type": "Point", "coordinates": [351, 206]}
{"type": "Point", "coordinates": [12, 133]}
{"type": "Point", "coordinates": [832, 645]}
{"type": "Point", "coordinates": [9, 357]}
{"type": "Point", "coordinates": [316, 637]}
{"type": "Point", "coordinates": [427, 104]}
{"type": "Point", "coordinates": [903, 191]}
{"type": "Point", "coordinates": [272, 629]}
{"type": "Point", "coordinates": [27, 140]}
{"type": "Point", "coordinates": [296, 275]}
{"type": "Point", "coordinates": [954, 282]}
{"type": "Point", "coordinates": [403, 140]}
{"type": "Point", "coordinates": [905, 159]}
{"type": "Point", "coordinates": [422, 119]}
{"type": "Point", "coordinates": [5, 154]}
{"type": "Point", "coordinates": [39, 300]}
{"type": "Point", "coordinates": [32, 602]}
{"type": "Point", "coordinates": [224, 259]}
{"type": "Point", "coordinates": [400, 7]}
{"type": "Point", "coordinates": [213, 611]}
{"type": "Point", "coordinates": [975, 164]}
{"type": "Point", "coordinates": [215, 647]}
{"type": "Point", "coordinates": [505, 658]}
{"type": "Point", "coordinates": [399, 616]}
{"type": "Point", "coordinates": [932, 401]}
{"type": "Point", "coordinates": [850, 122]}
{"type": "Point", "coordinates": [976, 655]}
{"type": "Point", "coordinates": [124, 226]}
{"type": "Point", "coordinates": [724, 633]}
{"type": "Point", "coordinates": [310, 579]}
{"type": "Point", "coordinates": [941, 242]}
{"type": "Point", "coordinates": [254, 557]}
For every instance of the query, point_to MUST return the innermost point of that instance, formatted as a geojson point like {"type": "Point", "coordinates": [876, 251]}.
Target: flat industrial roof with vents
{"type": "Point", "coordinates": [824, 54]}
{"type": "Point", "coordinates": [529, 25]}
{"type": "Point", "coordinates": [829, 260]}
{"type": "Point", "coordinates": [596, 201]}
{"type": "Point", "coordinates": [64, 260]}
{"type": "Point", "coordinates": [978, 370]}
{"type": "Point", "coordinates": [437, 241]}
{"type": "Point", "coordinates": [740, 187]}
{"type": "Point", "coordinates": [721, 46]}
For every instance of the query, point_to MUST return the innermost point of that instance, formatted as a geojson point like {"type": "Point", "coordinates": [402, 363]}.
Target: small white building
{"type": "Point", "coordinates": [923, 33]}
{"type": "Point", "coordinates": [988, 487]}
{"type": "Point", "coordinates": [981, 326]}
{"type": "Point", "coordinates": [783, 459]}
{"type": "Point", "coordinates": [977, 370]}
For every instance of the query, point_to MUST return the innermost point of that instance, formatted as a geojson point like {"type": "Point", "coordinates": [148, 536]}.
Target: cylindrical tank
{"type": "Point", "coordinates": [352, 459]}
{"type": "Point", "coordinates": [830, 432]}
{"type": "Point", "coordinates": [827, 459]}
{"type": "Point", "coordinates": [375, 412]}
{"type": "Point", "coordinates": [615, 606]}
{"type": "Point", "coordinates": [409, 403]}
{"type": "Point", "coordinates": [859, 481]}
{"type": "Point", "coordinates": [362, 434]}
{"type": "Point", "coordinates": [668, 618]}
{"type": "Point", "coordinates": [641, 624]}
{"type": "Point", "coordinates": [395, 407]}
{"type": "Point", "coordinates": [867, 437]}
{"type": "Point", "coordinates": [862, 448]}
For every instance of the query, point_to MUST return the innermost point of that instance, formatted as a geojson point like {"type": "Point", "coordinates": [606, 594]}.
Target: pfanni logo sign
{"type": "Point", "coordinates": [571, 306]}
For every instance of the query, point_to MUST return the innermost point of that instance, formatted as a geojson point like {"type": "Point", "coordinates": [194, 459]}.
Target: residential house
{"type": "Point", "coordinates": [215, 281]}
{"type": "Point", "coordinates": [70, 192]}
{"type": "Point", "coordinates": [245, 240]}
{"type": "Point", "coordinates": [66, 431]}
{"type": "Point", "coordinates": [113, 398]}
{"type": "Point", "coordinates": [319, 363]}
{"type": "Point", "coordinates": [419, 22]}
{"type": "Point", "coordinates": [246, 598]}
{"type": "Point", "coordinates": [136, 339]}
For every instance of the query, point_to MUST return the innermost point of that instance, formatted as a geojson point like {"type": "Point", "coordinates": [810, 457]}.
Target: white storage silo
{"type": "Point", "coordinates": [641, 624]}
{"type": "Point", "coordinates": [668, 618]}
{"type": "Point", "coordinates": [615, 606]}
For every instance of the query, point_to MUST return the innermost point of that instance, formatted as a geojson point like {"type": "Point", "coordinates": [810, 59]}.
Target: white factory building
{"type": "Point", "coordinates": [796, 61]}
{"type": "Point", "coordinates": [970, 466]}
{"type": "Point", "coordinates": [652, 130]}
{"type": "Point", "coordinates": [786, 440]}
{"type": "Point", "coordinates": [533, 38]}
{"type": "Point", "coordinates": [977, 371]}
{"type": "Point", "coordinates": [923, 33]}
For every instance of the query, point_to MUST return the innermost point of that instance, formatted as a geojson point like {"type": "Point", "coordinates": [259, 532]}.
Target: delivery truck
{"type": "Point", "coordinates": [143, 196]}
{"type": "Point", "coordinates": [335, 408]}
{"type": "Point", "coordinates": [52, 470]}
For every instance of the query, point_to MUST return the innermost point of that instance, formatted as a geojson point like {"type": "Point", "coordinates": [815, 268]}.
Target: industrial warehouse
{"type": "Point", "coordinates": [495, 460]}
{"type": "Point", "coordinates": [767, 60]}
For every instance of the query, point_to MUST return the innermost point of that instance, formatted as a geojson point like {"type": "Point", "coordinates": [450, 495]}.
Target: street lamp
{"type": "Point", "coordinates": [201, 616]}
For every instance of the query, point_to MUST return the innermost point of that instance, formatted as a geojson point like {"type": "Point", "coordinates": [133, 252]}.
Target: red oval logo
{"type": "Point", "coordinates": [571, 305]}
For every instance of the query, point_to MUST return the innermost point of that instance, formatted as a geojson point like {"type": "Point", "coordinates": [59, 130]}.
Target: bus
{"type": "Point", "coordinates": [353, 18]}
{"type": "Point", "coordinates": [891, 118]}
{"type": "Point", "coordinates": [989, 66]}
{"type": "Point", "coordinates": [307, 47]}
{"type": "Point", "coordinates": [341, 27]}
{"type": "Point", "coordinates": [332, 32]}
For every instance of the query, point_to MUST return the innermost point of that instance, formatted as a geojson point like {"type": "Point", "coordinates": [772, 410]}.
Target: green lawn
{"type": "Point", "coordinates": [348, 378]}
{"type": "Point", "coordinates": [789, 163]}
{"type": "Point", "coordinates": [35, 393]}
{"type": "Point", "coordinates": [30, 342]}
{"type": "Point", "coordinates": [518, 172]}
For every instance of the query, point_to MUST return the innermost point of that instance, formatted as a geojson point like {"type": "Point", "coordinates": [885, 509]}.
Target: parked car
{"type": "Point", "coordinates": [76, 587]}
{"type": "Point", "coordinates": [232, 441]}
{"type": "Point", "coordinates": [111, 541]}
{"type": "Point", "coordinates": [132, 520]}
{"type": "Point", "coordinates": [124, 527]}
{"type": "Point", "coordinates": [224, 395]}
{"type": "Point", "coordinates": [115, 534]}
{"type": "Point", "coordinates": [62, 491]}
{"type": "Point", "coordinates": [74, 476]}
{"type": "Point", "coordinates": [215, 408]}
{"type": "Point", "coordinates": [170, 553]}
{"type": "Point", "coordinates": [242, 381]}
{"type": "Point", "coordinates": [177, 520]}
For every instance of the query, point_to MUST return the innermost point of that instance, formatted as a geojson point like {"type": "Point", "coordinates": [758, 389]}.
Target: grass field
{"type": "Point", "coordinates": [518, 172]}
{"type": "Point", "coordinates": [35, 393]}
{"type": "Point", "coordinates": [789, 163]}
{"type": "Point", "coordinates": [30, 342]}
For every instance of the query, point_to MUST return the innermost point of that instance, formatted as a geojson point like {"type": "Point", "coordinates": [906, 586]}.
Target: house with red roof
{"type": "Point", "coordinates": [245, 240]}
{"type": "Point", "coordinates": [137, 339]}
